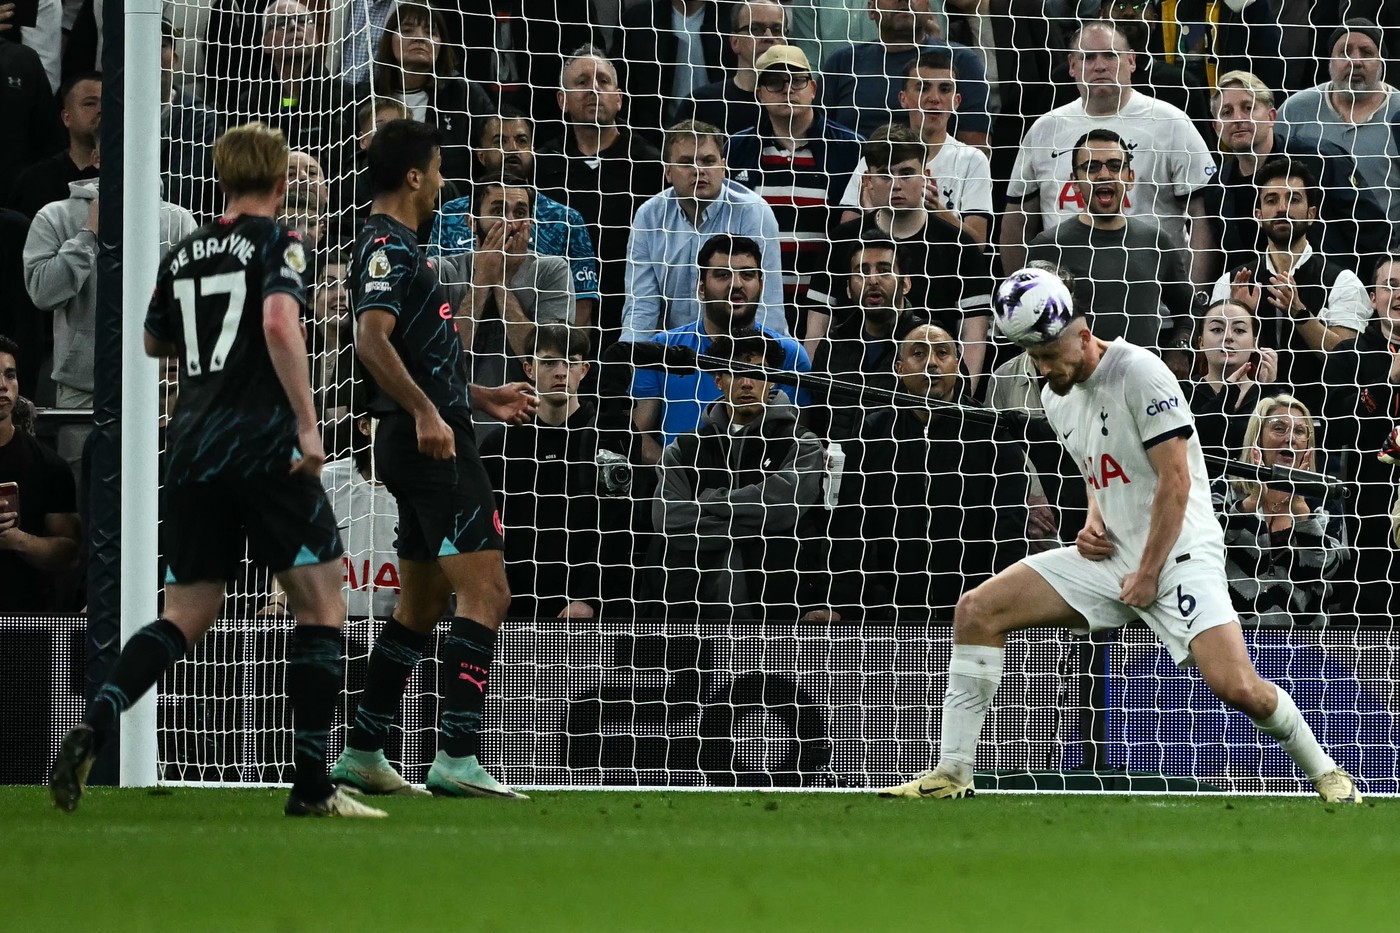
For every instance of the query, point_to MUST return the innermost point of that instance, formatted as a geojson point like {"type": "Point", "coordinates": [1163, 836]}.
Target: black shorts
{"type": "Point", "coordinates": [446, 507]}
{"type": "Point", "coordinates": [285, 520]}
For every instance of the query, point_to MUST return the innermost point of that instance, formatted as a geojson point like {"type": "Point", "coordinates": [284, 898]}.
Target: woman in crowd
{"type": "Point", "coordinates": [1233, 374]}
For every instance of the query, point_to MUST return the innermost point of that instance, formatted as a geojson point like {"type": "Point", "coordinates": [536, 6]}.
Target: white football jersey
{"type": "Point", "coordinates": [1107, 423]}
{"type": "Point", "coordinates": [963, 174]}
{"type": "Point", "coordinates": [1170, 160]}
{"type": "Point", "coordinates": [368, 518]}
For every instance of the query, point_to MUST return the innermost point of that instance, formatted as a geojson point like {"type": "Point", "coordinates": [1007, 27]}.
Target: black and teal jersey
{"type": "Point", "coordinates": [232, 416]}
{"type": "Point", "coordinates": [388, 273]}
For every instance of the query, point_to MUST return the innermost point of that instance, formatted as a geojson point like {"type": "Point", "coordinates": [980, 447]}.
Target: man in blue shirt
{"type": "Point", "coordinates": [730, 282]}
{"type": "Point", "coordinates": [507, 144]}
{"type": "Point", "coordinates": [670, 229]}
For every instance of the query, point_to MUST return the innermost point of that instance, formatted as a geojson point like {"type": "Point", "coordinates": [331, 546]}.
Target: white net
{"type": "Point", "coordinates": [771, 604]}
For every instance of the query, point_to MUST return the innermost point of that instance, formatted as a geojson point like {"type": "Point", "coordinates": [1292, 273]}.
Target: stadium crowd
{"type": "Point", "coordinates": [822, 187]}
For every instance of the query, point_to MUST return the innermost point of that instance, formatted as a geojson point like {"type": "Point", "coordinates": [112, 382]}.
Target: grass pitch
{"type": "Point", "coordinates": [210, 860]}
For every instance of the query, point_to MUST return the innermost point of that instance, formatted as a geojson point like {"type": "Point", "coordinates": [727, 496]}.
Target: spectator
{"type": "Point", "coordinates": [730, 285]}
{"type": "Point", "coordinates": [862, 81]}
{"type": "Point", "coordinates": [1312, 303]}
{"type": "Point", "coordinates": [1234, 373]}
{"type": "Point", "coordinates": [507, 145]}
{"type": "Point", "coordinates": [821, 28]}
{"type": "Point", "coordinates": [602, 170]}
{"type": "Point", "coordinates": [795, 159]}
{"type": "Point", "coordinates": [362, 30]}
{"type": "Point", "coordinates": [331, 343]}
{"type": "Point", "coordinates": [666, 50]}
{"type": "Point", "coordinates": [307, 208]}
{"type": "Point", "coordinates": [863, 343]}
{"type": "Point", "coordinates": [1351, 228]}
{"type": "Point", "coordinates": [413, 63]}
{"type": "Point", "coordinates": [670, 228]}
{"type": "Point", "coordinates": [1353, 111]}
{"type": "Point", "coordinates": [60, 261]}
{"type": "Point", "coordinates": [755, 26]}
{"type": "Point", "coordinates": [932, 500]}
{"type": "Point", "coordinates": [734, 494]}
{"type": "Point", "coordinates": [187, 131]}
{"type": "Point", "coordinates": [39, 539]}
{"type": "Point", "coordinates": [26, 111]}
{"type": "Point", "coordinates": [48, 180]}
{"type": "Point", "coordinates": [1129, 273]}
{"type": "Point", "coordinates": [18, 315]}
{"type": "Point", "coordinates": [367, 119]}
{"type": "Point", "coordinates": [506, 288]}
{"type": "Point", "coordinates": [1280, 548]}
{"type": "Point", "coordinates": [950, 276]}
{"type": "Point", "coordinates": [558, 498]}
{"type": "Point", "coordinates": [959, 188]}
{"type": "Point", "coordinates": [1171, 160]}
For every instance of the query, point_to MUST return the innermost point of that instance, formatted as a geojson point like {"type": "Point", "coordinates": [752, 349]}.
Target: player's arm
{"type": "Point", "coordinates": [372, 330]}
{"type": "Point", "coordinates": [1168, 459]}
{"type": "Point", "coordinates": [286, 346]}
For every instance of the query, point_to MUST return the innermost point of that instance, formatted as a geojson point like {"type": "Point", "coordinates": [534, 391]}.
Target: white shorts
{"type": "Point", "coordinates": [1192, 596]}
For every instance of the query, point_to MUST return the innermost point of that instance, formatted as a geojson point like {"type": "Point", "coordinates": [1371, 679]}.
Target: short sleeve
{"type": "Point", "coordinates": [158, 313]}
{"type": "Point", "coordinates": [285, 265]}
{"type": "Point", "coordinates": [1155, 399]}
{"type": "Point", "coordinates": [384, 279]}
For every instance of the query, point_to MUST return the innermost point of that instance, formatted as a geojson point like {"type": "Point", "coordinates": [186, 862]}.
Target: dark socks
{"type": "Point", "coordinates": [149, 653]}
{"type": "Point", "coordinates": [396, 652]}
{"type": "Point", "coordinates": [466, 665]}
{"type": "Point", "coordinates": [315, 673]}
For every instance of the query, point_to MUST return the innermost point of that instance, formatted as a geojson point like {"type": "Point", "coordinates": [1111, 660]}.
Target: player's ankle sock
{"type": "Point", "coordinates": [396, 653]}
{"type": "Point", "coordinates": [1296, 736]}
{"type": "Point", "coordinates": [315, 673]}
{"type": "Point", "coordinates": [973, 676]}
{"type": "Point", "coordinates": [466, 665]}
{"type": "Point", "coordinates": [150, 652]}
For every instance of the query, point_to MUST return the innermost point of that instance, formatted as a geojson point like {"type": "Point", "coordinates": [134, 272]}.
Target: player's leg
{"type": "Point", "coordinates": [1225, 666]}
{"type": "Point", "coordinates": [1017, 598]}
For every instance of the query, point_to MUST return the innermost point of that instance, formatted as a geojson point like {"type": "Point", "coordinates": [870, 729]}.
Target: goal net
{"type": "Point", "coordinates": [709, 597]}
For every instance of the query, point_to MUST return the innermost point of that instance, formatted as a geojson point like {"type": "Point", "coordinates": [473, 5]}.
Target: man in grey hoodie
{"type": "Point", "coordinates": [734, 493]}
{"type": "Point", "coordinates": [60, 272]}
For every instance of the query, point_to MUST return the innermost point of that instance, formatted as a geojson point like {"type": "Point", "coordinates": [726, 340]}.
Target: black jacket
{"type": "Point", "coordinates": [457, 108]}
{"type": "Point", "coordinates": [644, 50]}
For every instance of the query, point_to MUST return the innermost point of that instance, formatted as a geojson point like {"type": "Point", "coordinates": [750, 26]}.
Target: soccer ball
{"type": "Point", "coordinates": [1032, 307]}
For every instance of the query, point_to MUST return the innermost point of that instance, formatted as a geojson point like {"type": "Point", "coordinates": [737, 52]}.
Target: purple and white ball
{"type": "Point", "coordinates": [1032, 307]}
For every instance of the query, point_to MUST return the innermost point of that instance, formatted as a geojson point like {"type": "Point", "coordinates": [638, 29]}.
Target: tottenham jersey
{"type": "Point", "coordinates": [368, 518]}
{"type": "Point", "coordinates": [1108, 423]}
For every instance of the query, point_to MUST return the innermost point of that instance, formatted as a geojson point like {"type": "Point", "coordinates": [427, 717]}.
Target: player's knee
{"type": "Point", "coordinates": [1245, 692]}
{"type": "Point", "coordinates": [972, 617]}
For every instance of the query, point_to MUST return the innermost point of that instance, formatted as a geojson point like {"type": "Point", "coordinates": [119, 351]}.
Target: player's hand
{"type": "Point", "coordinates": [1138, 590]}
{"type": "Point", "coordinates": [513, 403]}
{"type": "Point", "coordinates": [576, 610]}
{"type": "Point", "coordinates": [435, 438]}
{"type": "Point", "coordinates": [313, 453]}
{"type": "Point", "coordinates": [1243, 290]}
{"type": "Point", "coordinates": [1092, 542]}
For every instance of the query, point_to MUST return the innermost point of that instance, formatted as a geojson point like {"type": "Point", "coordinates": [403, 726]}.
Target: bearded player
{"type": "Point", "coordinates": [1118, 410]}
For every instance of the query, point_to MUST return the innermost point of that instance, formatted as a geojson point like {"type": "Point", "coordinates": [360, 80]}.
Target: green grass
{"type": "Point", "coordinates": [206, 860]}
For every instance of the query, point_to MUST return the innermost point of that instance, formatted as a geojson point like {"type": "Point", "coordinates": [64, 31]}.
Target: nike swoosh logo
{"type": "Point", "coordinates": [1192, 621]}
{"type": "Point", "coordinates": [1068, 433]}
{"type": "Point", "coordinates": [1056, 155]}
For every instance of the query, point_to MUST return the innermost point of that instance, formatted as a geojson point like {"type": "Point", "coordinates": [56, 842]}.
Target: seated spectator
{"type": "Point", "coordinates": [670, 229]}
{"type": "Point", "coordinates": [1129, 272]}
{"type": "Point", "coordinates": [415, 64]}
{"type": "Point", "coordinates": [959, 187]}
{"type": "Point", "coordinates": [561, 494]}
{"type": "Point", "coordinates": [950, 276]}
{"type": "Point", "coordinates": [1353, 111]}
{"type": "Point", "coordinates": [733, 496]}
{"type": "Point", "coordinates": [507, 144]}
{"type": "Point", "coordinates": [502, 289]}
{"type": "Point", "coordinates": [731, 282]}
{"type": "Point", "coordinates": [48, 180]}
{"type": "Point", "coordinates": [666, 52]}
{"type": "Point", "coordinates": [861, 82]}
{"type": "Point", "coordinates": [39, 529]}
{"type": "Point", "coordinates": [26, 112]}
{"type": "Point", "coordinates": [1351, 229]}
{"type": "Point", "coordinates": [187, 130]}
{"type": "Point", "coordinates": [1312, 304]}
{"type": "Point", "coordinates": [795, 159]}
{"type": "Point", "coordinates": [754, 27]}
{"type": "Point", "coordinates": [307, 209]}
{"type": "Point", "coordinates": [1281, 549]}
{"type": "Point", "coordinates": [1233, 374]}
{"type": "Point", "coordinates": [602, 170]}
{"type": "Point", "coordinates": [60, 270]}
{"type": "Point", "coordinates": [932, 501]}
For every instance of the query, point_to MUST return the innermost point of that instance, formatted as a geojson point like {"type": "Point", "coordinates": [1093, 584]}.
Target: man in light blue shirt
{"type": "Point", "coordinates": [669, 229]}
{"type": "Point", "coordinates": [730, 281]}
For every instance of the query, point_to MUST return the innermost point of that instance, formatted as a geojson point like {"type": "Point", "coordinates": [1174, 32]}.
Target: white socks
{"type": "Point", "coordinates": [973, 675]}
{"type": "Point", "coordinates": [1293, 733]}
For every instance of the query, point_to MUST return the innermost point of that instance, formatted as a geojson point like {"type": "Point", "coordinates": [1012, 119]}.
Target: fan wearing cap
{"type": "Point", "coordinates": [798, 161]}
{"type": "Point", "coordinates": [1355, 110]}
{"type": "Point", "coordinates": [1119, 413]}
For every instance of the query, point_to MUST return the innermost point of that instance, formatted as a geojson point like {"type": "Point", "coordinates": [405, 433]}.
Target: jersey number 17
{"type": "Point", "coordinates": [188, 294]}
